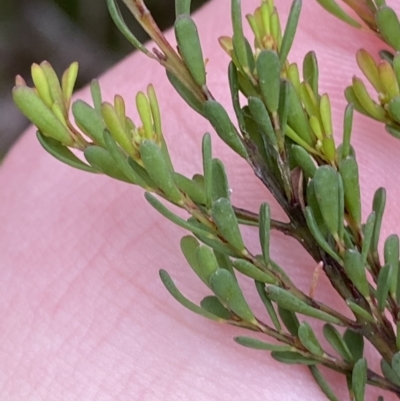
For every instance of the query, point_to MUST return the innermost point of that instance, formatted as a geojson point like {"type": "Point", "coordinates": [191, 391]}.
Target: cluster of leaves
{"type": "Point", "coordinates": [285, 134]}
{"type": "Point", "coordinates": [384, 75]}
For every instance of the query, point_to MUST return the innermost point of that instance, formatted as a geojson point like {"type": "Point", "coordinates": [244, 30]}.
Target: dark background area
{"type": "Point", "coordinates": [61, 31]}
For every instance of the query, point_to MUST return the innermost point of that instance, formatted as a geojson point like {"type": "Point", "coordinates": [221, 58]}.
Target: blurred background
{"type": "Point", "coordinates": [61, 31]}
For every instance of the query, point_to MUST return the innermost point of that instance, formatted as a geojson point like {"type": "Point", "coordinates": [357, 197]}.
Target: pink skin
{"type": "Point", "coordinates": [84, 314]}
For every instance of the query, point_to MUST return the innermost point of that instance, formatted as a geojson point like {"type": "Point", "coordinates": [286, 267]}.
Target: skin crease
{"type": "Point", "coordinates": [84, 314]}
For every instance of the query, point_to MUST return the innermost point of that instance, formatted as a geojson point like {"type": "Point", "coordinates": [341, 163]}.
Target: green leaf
{"type": "Point", "coordinates": [33, 107]}
{"type": "Point", "coordinates": [389, 373]}
{"type": "Point", "coordinates": [185, 93]}
{"type": "Point", "coordinates": [355, 270]}
{"type": "Point", "coordinates": [206, 262]}
{"type": "Point", "coordinates": [304, 161]}
{"type": "Point", "coordinates": [220, 187]}
{"type": "Point", "coordinates": [120, 23]}
{"type": "Point", "coordinates": [173, 290]}
{"type": "Point", "coordinates": [309, 340]}
{"type": "Point", "coordinates": [368, 233]}
{"type": "Point", "coordinates": [289, 319]}
{"type": "Point", "coordinates": [393, 131]}
{"type": "Point", "coordinates": [353, 100]}
{"type": "Point", "coordinates": [191, 188]}
{"type": "Point", "coordinates": [265, 230]}
{"type": "Point", "coordinates": [89, 121]}
{"type": "Point", "coordinates": [268, 305]}
{"type": "Point", "coordinates": [268, 72]}
{"type": "Point", "coordinates": [297, 118]}
{"type": "Point", "coordinates": [326, 186]}
{"type": "Point", "coordinates": [234, 89]}
{"type": "Point", "coordinates": [312, 225]}
{"type": "Point", "coordinates": [292, 358]}
{"type": "Point", "coordinates": [359, 379]}
{"type": "Point", "coordinates": [312, 202]}
{"type": "Point", "coordinates": [369, 68]}
{"type": "Point", "coordinates": [226, 288]}
{"type": "Point", "coordinates": [310, 71]}
{"type": "Point", "coordinates": [239, 42]}
{"type": "Point", "coordinates": [226, 221]}
{"type": "Point", "coordinates": [182, 7]}
{"type": "Point", "coordinates": [283, 110]}
{"type": "Point", "coordinates": [371, 108]}
{"type": "Point", "coordinates": [156, 166]}
{"type": "Point", "coordinates": [211, 240]}
{"type": "Point", "coordinates": [347, 128]}
{"type": "Point", "coordinates": [396, 66]}
{"type": "Point", "coordinates": [348, 169]}
{"type": "Point", "coordinates": [249, 270]}
{"type": "Point", "coordinates": [337, 342]}
{"type": "Point", "coordinates": [176, 219]}
{"type": "Point", "coordinates": [261, 345]}
{"type": "Point", "coordinates": [383, 286]}
{"type": "Point", "coordinates": [122, 163]}
{"type": "Point", "coordinates": [95, 92]}
{"type": "Point", "coordinates": [359, 311]}
{"type": "Point", "coordinates": [207, 168]}
{"type": "Point", "coordinates": [332, 7]}
{"type": "Point", "coordinates": [391, 257]}
{"type": "Point", "coordinates": [355, 343]}
{"type": "Point", "coordinates": [101, 159]}
{"type": "Point", "coordinates": [323, 384]}
{"type": "Point", "coordinates": [190, 48]}
{"type": "Point", "coordinates": [189, 245]}
{"type": "Point", "coordinates": [62, 153]}
{"type": "Point", "coordinates": [396, 362]}
{"type": "Point", "coordinates": [378, 206]}
{"type": "Point", "coordinates": [223, 126]}
{"type": "Point", "coordinates": [389, 26]}
{"type": "Point", "coordinates": [290, 302]}
{"type": "Point", "coordinates": [261, 117]}
{"type": "Point", "coordinates": [116, 127]}
{"type": "Point", "coordinates": [290, 31]}
{"type": "Point", "coordinates": [224, 262]}
{"type": "Point", "coordinates": [394, 109]}
{"type": "Point", "coordinates": [213, 305]}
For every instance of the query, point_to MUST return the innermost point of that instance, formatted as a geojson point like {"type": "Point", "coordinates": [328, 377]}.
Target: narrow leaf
{"type": "Point", "coordinates": [220, 187]}
{"type": "Point", "coordinates": [290, 31]}
{"type": "Point", "coordinates": [222, 124]}
{"type": "Point", "coordinates": [213, 305]}
{"type": "Point", "coordinates": [190, 48]}
{"type": "Point", "coordinates": [226, 288]}
{"type": "Point", "coordinates": [89, 121]}
{"type": "Point", "coordinates": [323, 384]}
{"type": "Point", "coordinates": [332, 7]}
{"type": "Point", "coordinates": [389, 26]}
{"type": "Point", "coordinates": [264, 230]}
{"type": "Point", "coordinates": [290, 302]}
{"type": "Point", "coordinates": [337, 342]}
{"type": "Point", "coordinates": [292, 358]}
{"type": "Point", "coordinates": [355, 270]}
{"type": "Point", "coordinates": [156, 166]}
{"type": "Point", "coordinates": [355, 343]}
{"type": "Point", "coordinates": [309, 339]}
{"type": "Point", "coordinates": [173, 290]}
{"type": "Point", "coordinates": [62, 153]}
{"type": "Point", "coordinates": [249, 270]}
{"type": "Point", "coordinates": [261, 345]}
{"type": "Point", "coordinates": [359, 379]}
{"type": "Point", "coordinates": [226, 221]}
{"type": "Point", "coordinates": [268, 72]}
{"type": "Point", "coordinates": [185, 93]}
{"type": "Point", "coordinates": [268, 305]}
